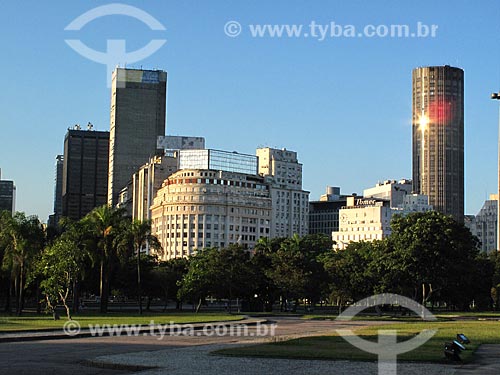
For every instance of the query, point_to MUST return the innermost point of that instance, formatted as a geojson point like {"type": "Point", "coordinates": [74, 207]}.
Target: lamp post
{"type": "Point", "coordinates": [496, 96]}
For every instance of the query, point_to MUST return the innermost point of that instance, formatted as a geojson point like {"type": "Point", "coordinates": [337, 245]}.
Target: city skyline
{"type": "Point", "coordinates": [242, 93]}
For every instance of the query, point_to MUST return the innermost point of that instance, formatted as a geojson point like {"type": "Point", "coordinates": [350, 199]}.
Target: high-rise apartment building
{"type": "Point", "coordinates": [7, 195]}
{"type": "Point", "coordinates": [138, 107]}
{"type": "Point", "coordinates": [85, 172]}
{"type": "Point", "coordinates": [290, 203]}
{"type": "Point", "coordinates": [438, 137]}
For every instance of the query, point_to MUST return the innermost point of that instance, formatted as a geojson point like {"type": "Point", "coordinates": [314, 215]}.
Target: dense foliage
{"type": "Point", "coordinates": [429, 257]}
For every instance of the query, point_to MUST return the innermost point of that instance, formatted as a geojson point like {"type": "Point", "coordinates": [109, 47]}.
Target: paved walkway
{"type": "Point", "coordinates": [192, 360]}
{"type": "Point", "coordinates": [486, 362]}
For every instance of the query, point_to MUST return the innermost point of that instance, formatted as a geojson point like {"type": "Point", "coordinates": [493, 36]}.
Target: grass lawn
{"type": "Point", "coordinates": [35, 322]}
{"type": "Point", "coordinates": [389, 318]}
{"type": "Point", "coordinates": [335, 348]}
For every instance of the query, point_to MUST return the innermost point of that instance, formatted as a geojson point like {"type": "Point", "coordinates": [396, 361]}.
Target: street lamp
{"type": "Point", "coordinates": [496, 96]}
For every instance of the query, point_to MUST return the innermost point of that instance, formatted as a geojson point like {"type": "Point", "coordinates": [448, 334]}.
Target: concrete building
{"type": "Point", "coordinates": [56, 216]}
{"type": "Point", "coordinates": [200, 208]}
{"type": "Point", "coordinates": [369, 218]}
{"type": "Point", "coordinates": [324, 214]}
{"type": "Point", "coordinates": [438, 137]}
{"type": "Point", "coordinates": [484, 224]}
{"type": "Point", "coordinates": [147, 181]}
{"type": "Point", "coordinates": [391, 190]}
{"type": "Point", "coordinates": [85, 171]}
{"type": "Point", "coordinates": [414, 203]}
{"type": "Point", "coordinates": [363, 219]}
{"type": "Point", "coordinates": [7, 195]}
{"type": "Point", "coordinates": [290, 203]}
{"type": "Point", "coordinates": [138, 108]}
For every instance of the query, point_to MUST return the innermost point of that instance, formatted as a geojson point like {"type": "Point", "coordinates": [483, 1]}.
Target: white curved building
{"type": "Point", "coordinates": [201, 208]}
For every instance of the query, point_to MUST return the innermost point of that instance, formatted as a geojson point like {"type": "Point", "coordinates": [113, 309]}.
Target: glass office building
{"type": "Point", "coordinates": [218, 160]}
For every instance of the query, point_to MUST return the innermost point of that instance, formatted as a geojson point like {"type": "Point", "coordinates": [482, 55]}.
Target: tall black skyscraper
{"type": "Point", "coordinates": [438, 137]}
{"type": "Point", "coordinates": [85, 172]}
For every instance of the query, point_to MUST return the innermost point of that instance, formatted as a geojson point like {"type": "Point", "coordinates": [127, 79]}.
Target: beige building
{"type": "Point", "coordinates": [290, 204]}
{"type": "Point", "coordinates": [201, 208]}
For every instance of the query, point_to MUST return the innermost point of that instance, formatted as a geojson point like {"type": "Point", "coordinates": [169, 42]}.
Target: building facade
{"type": "Point", "coordinates": [218, 160]}
{"type": "Point", "coordinates": [84, 172]}
{"type": "Point", "coordinates": [201, 208]}
{"type": "Point", "coordinates": [138, 109]}
{"type": "Point", "coordinates": [324, 214]}
{"type": "Point", "coordinates": [369, 218]}
{"type": "Point", "coordinates": [290, 203]}
{"type": "Point", "coordinates": [438, 137]}
{"type": "Point", "coordinates": [363, 219]}
{"type": "Point", "coordinates": [147, 181]}
{"type": "Point", "coordinates": [7, 195]}
{"type": "Point", "coordinates": [391, 190]}
{"type": "Point", "coordinates": [484, 224]}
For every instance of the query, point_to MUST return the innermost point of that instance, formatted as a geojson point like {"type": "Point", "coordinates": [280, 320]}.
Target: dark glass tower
{"type": "Point", "coordinates": [438, 137]}
{"type": "Point", "coordinates": [85, 172]}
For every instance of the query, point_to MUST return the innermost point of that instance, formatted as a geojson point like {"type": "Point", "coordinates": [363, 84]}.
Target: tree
{"type": "Point", "coordinates": [167, 276]}
{"type": "Point", "coordinates": [136, 237]}
{"type": "Point", "coordinates": [107, 226]}
{"type": "Point", "coordinates": [261, 261]}
{"type": "Point", "coordinates": [437, 255]}
{"type": "Point", "coordinates": [224, 273]}
{"type": "Point", "coordinates": [349, 273]}
{"type": "Point", "coordinates": [234, 276]}
{"type": "Point", "coordinates": [200, 279]}
{"type": "Point", "coordinates": [288, 271]}
{"type": "Point", "coordinates": [60, 265]}
{"type": "Point", "coordinates": [22, 238]}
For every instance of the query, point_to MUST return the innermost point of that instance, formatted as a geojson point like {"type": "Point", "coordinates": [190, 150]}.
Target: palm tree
{"type": "Point", "coordinates": [22, 238]}
{"type": "Point", "coordinates": [106, 224]}
{"type": "Point", "coordinates": [137, 237]}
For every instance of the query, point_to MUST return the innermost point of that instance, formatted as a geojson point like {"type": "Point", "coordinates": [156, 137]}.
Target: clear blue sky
{"type": "Point", "coordinates": [344, 103]}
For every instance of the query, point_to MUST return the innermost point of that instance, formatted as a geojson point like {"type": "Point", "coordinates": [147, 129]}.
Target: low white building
{"type": "Point", "coordinates": [391, 190]}
{"type": "Point", "coordinates": [368, 218]}
{"type": "Point", "coordinates": [363, 219]}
